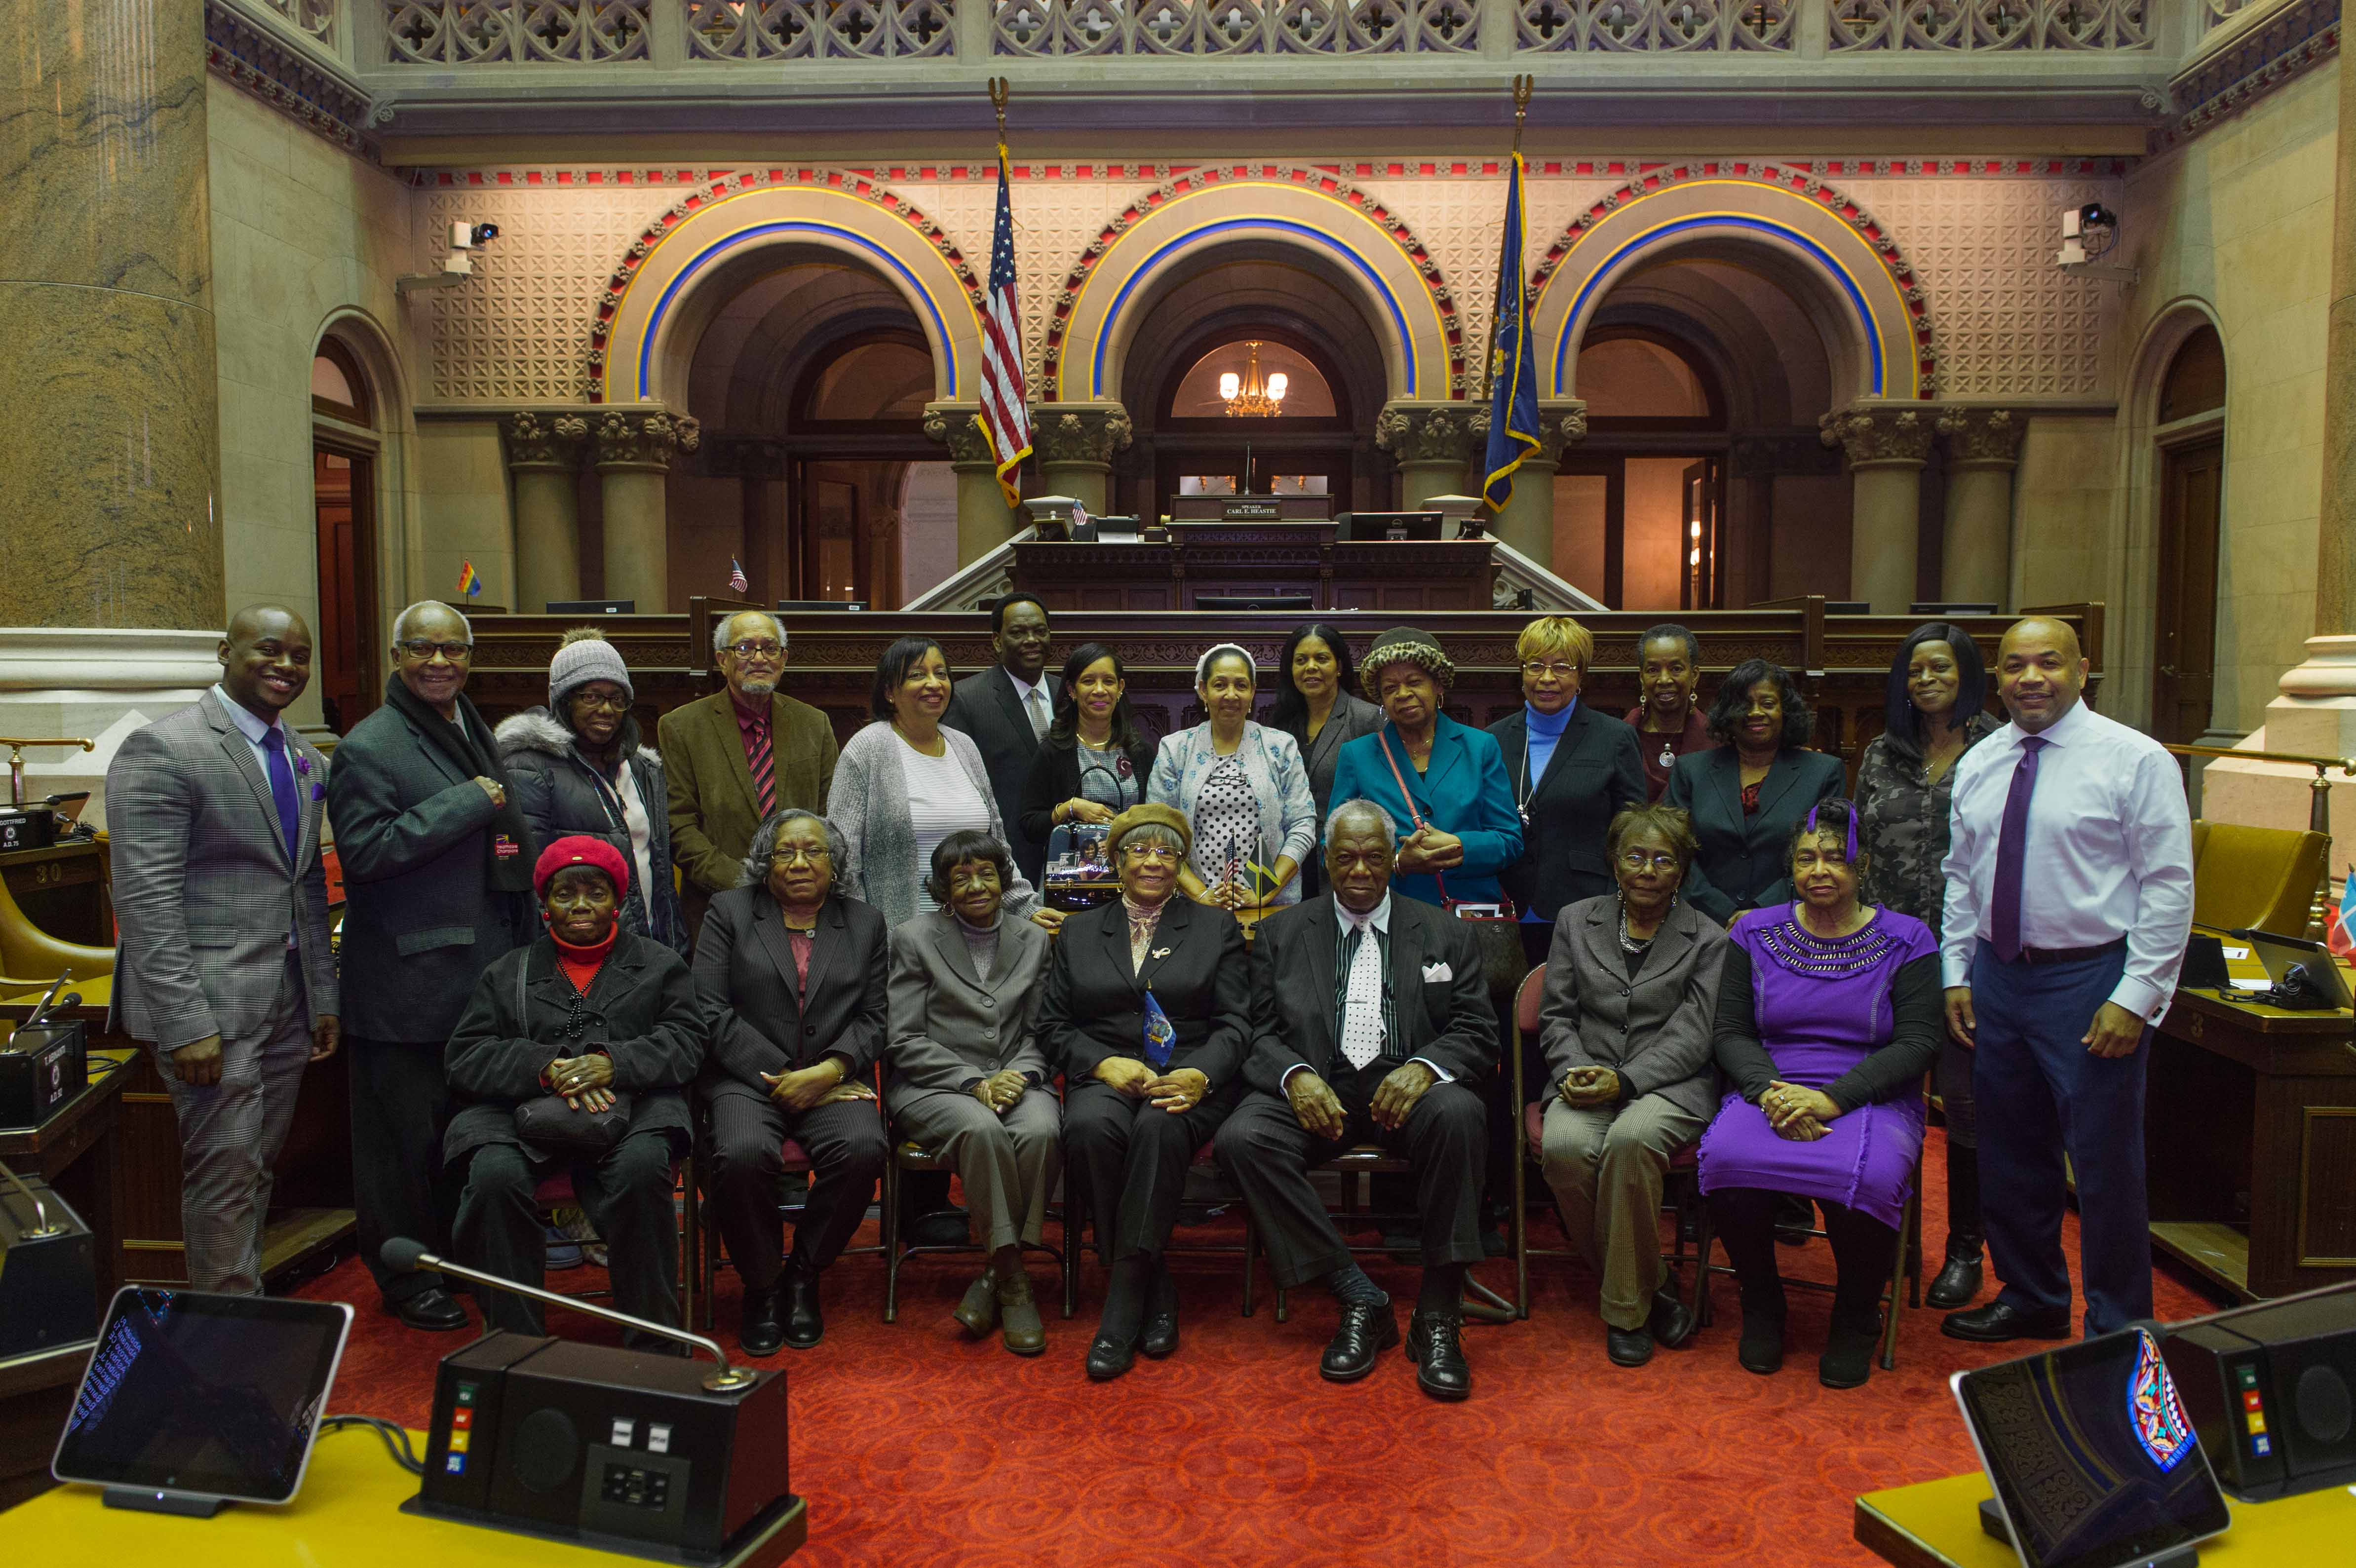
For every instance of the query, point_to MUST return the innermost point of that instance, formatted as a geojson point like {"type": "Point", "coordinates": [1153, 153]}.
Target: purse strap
{"type": "Point", "coordinates": [1383, 738]}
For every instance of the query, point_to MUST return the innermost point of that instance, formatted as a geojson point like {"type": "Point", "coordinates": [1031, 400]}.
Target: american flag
{"type": "Point", "coordinates": [737, 581]}
{"type": "Point", "coordinates": [1005, 398]}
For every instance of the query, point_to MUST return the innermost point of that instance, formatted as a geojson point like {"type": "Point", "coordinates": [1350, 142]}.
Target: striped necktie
{"type": "Point", "coordinates": [764, 767]}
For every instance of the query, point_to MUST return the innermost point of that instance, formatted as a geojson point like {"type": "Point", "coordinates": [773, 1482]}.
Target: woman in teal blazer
{"type": "Point", "coordinates": [1454, 772]}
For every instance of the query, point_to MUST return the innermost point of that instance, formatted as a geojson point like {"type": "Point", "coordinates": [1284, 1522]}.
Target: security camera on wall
{"type": "Point", "coordinates": [2089, 233]}
{"type": "Point", "coordinates": [457, 263]}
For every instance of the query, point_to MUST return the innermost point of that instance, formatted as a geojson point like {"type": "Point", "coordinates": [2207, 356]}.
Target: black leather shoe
{"type": "Point", "coordinates": [1627, 1347]}
{"type": "Point", "coordinates": [1368, 1328]}
{"type": "Point", "coordinates": [805, 1326]}
{"type": "Point", "coordinates": [434, 1310]}
{"type": "Point", "coordinates": [1110, 1357]}
{"type": "Point", "coordinates": [762, 1331]}
{"type": "Point", "coordinates": [1958, 1282]}
{"type": "Point", "coordinates": [1159, 1338]}
{"type": "Point", "coordinates": [1436, 1346]}
{"type": "Point", "coordinates": [2000, 1320]}
{"type": "Point", "coordinates": [1671, 1322]}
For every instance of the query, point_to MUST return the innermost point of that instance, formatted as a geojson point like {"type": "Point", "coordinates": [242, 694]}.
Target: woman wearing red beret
{"type": "Point", "coordinates": [573, 1054]}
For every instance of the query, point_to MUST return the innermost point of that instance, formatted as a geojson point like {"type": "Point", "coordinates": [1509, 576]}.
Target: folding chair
{"type": "Point", "coordinates": [908, 1154]}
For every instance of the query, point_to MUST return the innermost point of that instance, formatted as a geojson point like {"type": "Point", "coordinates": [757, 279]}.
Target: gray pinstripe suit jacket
{"type": "Point", "coordinates": [204, 890]}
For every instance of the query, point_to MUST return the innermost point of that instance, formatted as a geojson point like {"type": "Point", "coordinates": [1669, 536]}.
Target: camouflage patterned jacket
{"type": "Point", "coordinates": [1902, 823]}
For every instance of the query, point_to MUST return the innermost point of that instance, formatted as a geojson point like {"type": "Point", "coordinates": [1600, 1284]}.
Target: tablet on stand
{"type": "Point", "coordinates": [192, 1400]}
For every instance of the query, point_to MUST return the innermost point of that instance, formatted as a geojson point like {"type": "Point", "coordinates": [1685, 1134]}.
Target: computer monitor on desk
{"type": "Point", "coordinates": [1361, 527]}
{"type": "Point", "coordinates": [1256, 602]}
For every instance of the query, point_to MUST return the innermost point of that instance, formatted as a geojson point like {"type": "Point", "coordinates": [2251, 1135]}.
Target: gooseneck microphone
{"type": "Point", "coordinates": [406, 1256]}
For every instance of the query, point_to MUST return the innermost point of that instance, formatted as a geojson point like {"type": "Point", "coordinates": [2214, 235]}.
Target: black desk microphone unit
{"type": "Point", "coordinates": [621, 1450]}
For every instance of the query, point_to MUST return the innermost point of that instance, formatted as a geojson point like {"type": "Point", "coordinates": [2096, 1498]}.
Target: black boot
{"type": "Point", "coordinates": [797, 1290]}
{"type": "Point", "coordinates": [1959, 1278]}
{"type": "Point", "coordinates": [1848, 1360]}
{"type": "Point", "coordinates": [1760, 1349]}
{"type": "Point", "coordinates": [762, 1333]}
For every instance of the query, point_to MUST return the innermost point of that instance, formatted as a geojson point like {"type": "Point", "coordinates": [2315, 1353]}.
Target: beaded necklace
{"type": "Point", "coordinates": [1803, 952]}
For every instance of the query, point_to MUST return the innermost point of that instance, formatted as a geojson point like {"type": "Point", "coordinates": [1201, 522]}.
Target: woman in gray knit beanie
{"type": "Point", "coordinates": [578, 767]}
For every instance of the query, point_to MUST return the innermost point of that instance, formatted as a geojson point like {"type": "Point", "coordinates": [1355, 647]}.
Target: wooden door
{"type": "Point", "coordinates": [1702, 583]}
{"type": "Point", "coordinates": [2183, 685]}
{"type": "Point", "coordinates": [346, 665]}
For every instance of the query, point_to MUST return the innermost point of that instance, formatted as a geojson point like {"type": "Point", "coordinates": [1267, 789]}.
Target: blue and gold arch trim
{"type": "Point", "coordinates": [1407, 300]}
{"type": "Point", "coordinates": [836, 209]}
{"type": "Point", "coordinates": [1860, 264]}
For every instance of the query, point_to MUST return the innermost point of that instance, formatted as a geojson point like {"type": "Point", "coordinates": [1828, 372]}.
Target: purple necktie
{"type": "Point", "coordinates": [2011, 845]}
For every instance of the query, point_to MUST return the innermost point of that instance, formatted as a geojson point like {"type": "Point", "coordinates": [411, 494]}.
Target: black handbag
{"type": "Point", "coordinates": [547, 1122]}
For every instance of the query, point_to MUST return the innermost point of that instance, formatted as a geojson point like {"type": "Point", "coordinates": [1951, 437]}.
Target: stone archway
{"type": "Point", "coordinates": [1398, 286]}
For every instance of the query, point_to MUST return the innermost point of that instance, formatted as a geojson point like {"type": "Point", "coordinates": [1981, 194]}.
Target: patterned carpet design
{"type": "Point", "coordinates": [915, 1446]}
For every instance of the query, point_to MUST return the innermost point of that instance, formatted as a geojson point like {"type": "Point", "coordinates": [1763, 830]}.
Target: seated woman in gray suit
{"type": "Point", "coordinates": [1148, 978]}
{"type": "Point", "coordinates": [968, 1081]}
{"type": "Point", "coordinates": [1631, 989]}
{"type": "Point", "coordinates": [1747, 794]}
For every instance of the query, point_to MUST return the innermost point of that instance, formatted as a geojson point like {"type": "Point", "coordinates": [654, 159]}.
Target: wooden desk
{"type": "Point", "coordinates": [63, 890]}
{"type": "Point", "coordinates": [77, 1153]}
{"type": "Point", "coordinates": [36, 1393]}
{"type": "Point", "coordinates": [1202, 558]}
{"type": "Point", "coordinates": [2250, 1141]}
{"type": "Point", "coordinates": [1937, 1525]}
{"type": "Point", "coordinates": [348, 1512]}
{"type": "Point", "coordinates": [142, 1242]}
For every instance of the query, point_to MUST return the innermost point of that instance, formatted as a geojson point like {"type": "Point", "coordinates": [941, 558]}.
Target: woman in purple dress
{"type": "Point", "coordinates": [1828, 1016]}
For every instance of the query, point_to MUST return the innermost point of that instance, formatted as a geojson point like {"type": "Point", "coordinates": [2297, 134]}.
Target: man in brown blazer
{"type": "Point", "coordinates": [738, 755]}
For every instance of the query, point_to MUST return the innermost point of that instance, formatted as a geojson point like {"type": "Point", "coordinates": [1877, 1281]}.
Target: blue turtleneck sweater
{"type": "Point", "coordinates": [1545, 731]}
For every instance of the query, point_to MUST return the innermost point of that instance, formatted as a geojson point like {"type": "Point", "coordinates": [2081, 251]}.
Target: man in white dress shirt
{"type": "Point", "coordinates": [2069, 897]}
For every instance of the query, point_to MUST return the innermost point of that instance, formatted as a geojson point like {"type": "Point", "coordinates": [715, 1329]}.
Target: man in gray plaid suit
{"type": "Point", "coordinates": [222, 963]}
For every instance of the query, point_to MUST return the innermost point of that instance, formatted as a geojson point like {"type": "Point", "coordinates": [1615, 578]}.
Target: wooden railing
{"type": "Point", "coordinates": [1841, 661]}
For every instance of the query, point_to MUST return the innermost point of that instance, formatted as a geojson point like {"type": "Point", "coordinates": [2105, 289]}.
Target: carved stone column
{"type": "Point", "coordinates": [1527, 522]}
{"type": "Point", "coordinates": [1885, 441]}
{"type": "Point", "coordinates": [1075, 443]}
{"type": "Point", "coordinates": [2335, 574]}
{"type": "Point", "coordinates": [635, 446]}
{"type": "Point", "coordinates": [1983, 450]}
{"type": "Point", "coordinates": [1433, 444]}
{"type": "Point", "coordinates": [544, 455]}
{"type": "Point", "coordinates": [110, 458]}
{"type": "Point", "coordinates": [984, 519]}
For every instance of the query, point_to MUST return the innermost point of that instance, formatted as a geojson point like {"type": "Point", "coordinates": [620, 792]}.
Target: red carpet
{"type": "Point", "coordinates": [915, 1446]}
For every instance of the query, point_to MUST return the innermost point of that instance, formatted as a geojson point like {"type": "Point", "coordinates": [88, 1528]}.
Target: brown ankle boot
{"type": "Point", "coordinates": [1018, 1315]}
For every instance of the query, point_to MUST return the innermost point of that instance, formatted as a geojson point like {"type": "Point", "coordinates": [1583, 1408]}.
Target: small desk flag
{"type": "Point", "coordinates": [470, 581]}
{"type": "Point", "coordinates": [1161, 1034]}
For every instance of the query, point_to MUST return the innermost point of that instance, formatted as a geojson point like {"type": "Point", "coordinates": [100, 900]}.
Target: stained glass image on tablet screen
{"type": "Point", "coordinates": [2092, 1454]}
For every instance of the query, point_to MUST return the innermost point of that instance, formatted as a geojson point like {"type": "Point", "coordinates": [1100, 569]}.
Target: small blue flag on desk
{"type": "Point", "coordinates": [1161, 1035]}
{"type": "Point", "coordinates": [1513, 361]}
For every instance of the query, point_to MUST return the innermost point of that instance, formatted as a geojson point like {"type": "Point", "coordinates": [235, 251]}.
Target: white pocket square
{"type": "Point", "coordinates": [1437, 971]}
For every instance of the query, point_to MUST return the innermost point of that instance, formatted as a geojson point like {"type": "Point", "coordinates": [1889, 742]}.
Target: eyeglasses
{"type": "Point", "coordinates": [419, 648]}
{"type": "Point", "coordinates": [1149, 852]}
{"type": "Point", "coordinates": [617, 703]}
{"type": "Point", "coordinates": [1535, 669]}
{"type": "Point", "coordinates": [787, 854]}
{"type": "Point", "coordinates": [1637, 860]}
{"type": "Point", "coordinates": [749, 649]}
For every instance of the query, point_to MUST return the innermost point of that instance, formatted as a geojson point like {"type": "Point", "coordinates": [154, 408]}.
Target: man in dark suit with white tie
{"type": "Point", "coordinates": [1007, 709]}
{"type": "Point", "coordinates": [222, 963]}
{"type": "Point", "coordinates": [1372, 1024]}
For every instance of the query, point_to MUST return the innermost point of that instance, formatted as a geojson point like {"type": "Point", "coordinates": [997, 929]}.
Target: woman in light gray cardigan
{"type": "Point", "coordinates": [904, 783]}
